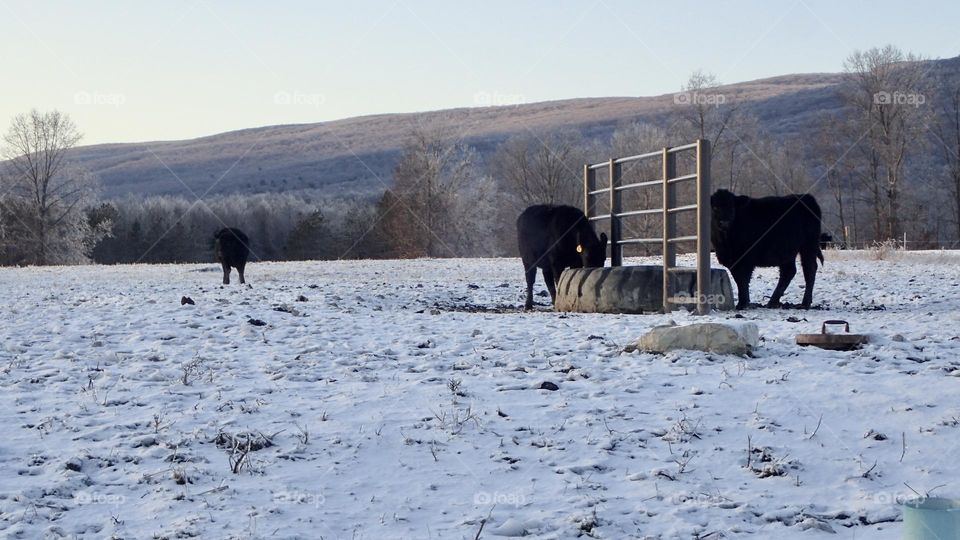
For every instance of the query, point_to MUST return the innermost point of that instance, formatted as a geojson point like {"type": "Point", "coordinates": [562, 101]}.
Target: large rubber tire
{"type": "Point", "coordinates": [634, 289]}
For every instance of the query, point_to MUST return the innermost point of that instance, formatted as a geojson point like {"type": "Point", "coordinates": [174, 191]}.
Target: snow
{"type": "Point", "coordinates": [403, 399]}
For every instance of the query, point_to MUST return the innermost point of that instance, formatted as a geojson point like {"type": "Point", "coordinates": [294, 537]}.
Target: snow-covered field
{"type": "Point", "coordinates": [386, 399]}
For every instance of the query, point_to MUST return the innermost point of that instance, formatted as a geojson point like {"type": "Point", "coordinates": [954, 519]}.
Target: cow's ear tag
{"type": "Point", "coordinates": [579, 248]}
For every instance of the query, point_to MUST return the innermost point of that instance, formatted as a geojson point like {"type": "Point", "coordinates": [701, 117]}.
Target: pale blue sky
{"type": "Point", "coordinates": [132, 71]}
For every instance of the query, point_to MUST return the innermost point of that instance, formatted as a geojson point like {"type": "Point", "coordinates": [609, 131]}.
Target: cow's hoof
{"type": "Point", "coordinates": [773, 305]}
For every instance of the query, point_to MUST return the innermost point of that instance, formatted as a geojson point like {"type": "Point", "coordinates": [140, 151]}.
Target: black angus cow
{"type": "Point", "coordinates": [553, 238]}
{"type": "Point", "coordinates": [826, 240]}
{"type": "Point", "coordinates": [231, 248]}
{"type": "Point", "coordinates": [769, 231]}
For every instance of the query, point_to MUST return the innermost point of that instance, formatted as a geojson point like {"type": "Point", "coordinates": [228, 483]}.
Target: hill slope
{"type": "Point", "coordinates": [356, 155]}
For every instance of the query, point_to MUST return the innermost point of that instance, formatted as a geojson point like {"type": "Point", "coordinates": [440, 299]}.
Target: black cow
{"type": "Point", "coordinates": [231, 249]}
{"type": "Point", "coordinates": [770, 231]}
{"type": "Point", "coordinates": [553, 238]}
{"type": "Point", "coordinates": [826, 240]}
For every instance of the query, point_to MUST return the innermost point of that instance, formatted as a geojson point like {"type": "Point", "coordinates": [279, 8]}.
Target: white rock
{"type": "Point", "coordinates": [723, 338]}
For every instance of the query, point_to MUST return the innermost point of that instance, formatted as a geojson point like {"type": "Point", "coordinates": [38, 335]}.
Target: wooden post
{"type": "Point", "coordinates": [616, 250]}
{"type": "Point", "coordinates": [589, 177]}
{"type": "Point", "coordinates": [669, 224]}
{"type": "Point", "coordinates": [703, 227]}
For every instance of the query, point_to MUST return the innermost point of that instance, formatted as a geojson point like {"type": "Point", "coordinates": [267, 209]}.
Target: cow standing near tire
{"type": "Point", "coordinates": [231, 248]}
{"type": "Point", "coordinates": [553, 238]}
{"type": "Point", "coordinates": [769, 231]}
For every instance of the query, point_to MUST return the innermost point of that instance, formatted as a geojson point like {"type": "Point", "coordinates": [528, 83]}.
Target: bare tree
{"type": "Point", "coordinates": [884, 91]}
{"type": "Point", "coordinates": [772, 167]}
{"type": "Point", "coordinates": [947, 136]}
{"type": "Point", "coordinates": [704, 111]}
{"type": "Point", "coordinates": [309, 239]}
{"type": "Point", "coordinates": [44, 198]}
{"type": "Point", "coordinates": [359, 237]}
{"type": "Point", "coordinates": [480, 216]}
{"type": "Point", "coordinates": [542, 168]}
{"type": "Point", "coordinates": [829, 155]}
{"type": "Point", "coordinates": [418, 215]}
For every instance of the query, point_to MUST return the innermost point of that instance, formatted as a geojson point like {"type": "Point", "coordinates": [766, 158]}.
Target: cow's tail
{"type": "Point", "coordinates": [820, 255]}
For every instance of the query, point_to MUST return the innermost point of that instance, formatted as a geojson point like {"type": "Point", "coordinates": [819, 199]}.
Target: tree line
{"type": "Point", "coordinates": [884, 165]}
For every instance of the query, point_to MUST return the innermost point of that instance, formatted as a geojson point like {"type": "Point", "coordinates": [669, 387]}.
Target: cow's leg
{"type": "Point", "coordinates": [808, 261]}
{"type": "Point", "coordinates": [531, 275]}
{"type": "Point", "coordinates": [551, 284]}
{"type": "Point", "coordinates": [787, 271]}
{"type": "Point", "coordinates": [741, 276]}
{"type": "Point", "coordinates": [226, 273]}
{"type": "Point", "coordinates": [557, 272]}
{"type": "Point", "coordinates": [240, 268]}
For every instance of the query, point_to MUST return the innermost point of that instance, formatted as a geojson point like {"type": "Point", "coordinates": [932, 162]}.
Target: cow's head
{"type": "Point", "coordinates": [723, 207]}
{"type": "Point", "coordinates": [592, 251]}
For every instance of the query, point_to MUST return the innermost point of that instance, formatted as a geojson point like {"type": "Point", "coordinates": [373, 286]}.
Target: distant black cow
{"type": "Point", "coordinates": [553, 238]}
{"type": "Point", "coordinates": [826, 240]}
{"type": "Point", "coordinates": [231, 249]}
{"type": "Point", "coordinates": [770, 231]}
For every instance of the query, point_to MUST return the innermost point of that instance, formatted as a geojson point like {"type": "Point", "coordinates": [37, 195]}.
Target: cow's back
{"type": "Point", "coordinates": [797, 217]}
{"type": "Point", "coordinates": [544, 229]}
{"type": "Point", "coordinates": [772, 230]}
{"type": "Point", "coordinates": [232, 246]}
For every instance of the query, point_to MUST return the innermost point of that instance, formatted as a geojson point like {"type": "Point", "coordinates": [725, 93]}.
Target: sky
{"type": "Point", "coordinates": [137, 71]}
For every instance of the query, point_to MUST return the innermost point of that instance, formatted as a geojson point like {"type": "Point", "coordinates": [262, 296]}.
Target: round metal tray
{"type": "Point", "coordinates": [835, 342]}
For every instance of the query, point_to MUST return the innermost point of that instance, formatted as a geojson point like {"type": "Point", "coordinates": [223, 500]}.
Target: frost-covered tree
{"type": "Point", "coordinates": [946, 134]}
{"type": "Point", "coordinates": [885, 95]}
{"type": "Point", "coordinates": [542, 168]}
{"type": "Point", "coordinates": [837, 177]}
{"type": "Point", "coordinates": [310, 239]}
{"type": "Point", "coordinates": [418, 216]}
{"type": "Point", "coordinates": [704, 111]}
{"type": "Point", "coordinates": [45, 198]}
{"type": "Point", "coordinates": [167, 229]}
{"type": "Point", "coordinates": [357, 233]}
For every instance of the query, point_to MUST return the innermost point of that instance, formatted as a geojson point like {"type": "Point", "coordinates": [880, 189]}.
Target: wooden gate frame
{"type": "Point", "coordinates": [668, 240]}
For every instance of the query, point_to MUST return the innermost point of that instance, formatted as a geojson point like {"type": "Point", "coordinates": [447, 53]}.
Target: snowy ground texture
{"type": "Point", "coordinates": [385, 399]}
